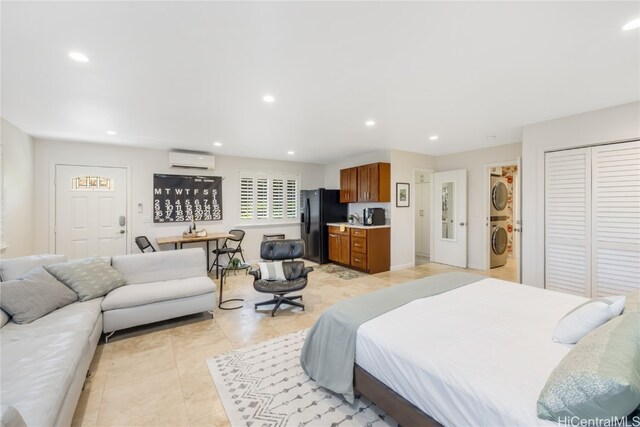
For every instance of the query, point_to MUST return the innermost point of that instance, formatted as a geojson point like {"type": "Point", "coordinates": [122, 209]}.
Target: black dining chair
{"type": "Point", "coordinates": [144, 244]}
{"type": "Point", "coordinates": [230, 247]}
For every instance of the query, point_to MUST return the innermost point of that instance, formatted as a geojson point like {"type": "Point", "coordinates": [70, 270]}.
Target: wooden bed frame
{"type": "Point", "coordinates": [403, 411]}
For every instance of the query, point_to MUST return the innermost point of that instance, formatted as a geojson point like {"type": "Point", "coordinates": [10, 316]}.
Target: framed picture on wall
{"type": "Point", "coordinates": [402, 194]}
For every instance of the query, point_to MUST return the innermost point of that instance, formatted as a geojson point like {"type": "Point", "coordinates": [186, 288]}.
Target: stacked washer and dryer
{"type": "Point", "coordinates": [499, 221]}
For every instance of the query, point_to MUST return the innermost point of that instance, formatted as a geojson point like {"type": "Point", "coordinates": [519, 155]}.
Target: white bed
{"type": "Point", "coordinates": [494, 352]}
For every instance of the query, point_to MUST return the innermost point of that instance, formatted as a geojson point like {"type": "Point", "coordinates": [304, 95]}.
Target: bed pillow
{"type": "Point", "coordinates": [586, 317]}
{"type": "Point", "coordinates": [599, 378]}
{"type": "Point", "coordinates": [36, 294]}
{"type": "Point", "coordinates": [271, 270]}
{"type": "Point", "coordinates": [89, 277]}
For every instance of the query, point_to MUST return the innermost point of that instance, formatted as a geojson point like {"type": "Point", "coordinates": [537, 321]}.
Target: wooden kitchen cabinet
{"type": "Point", "coordinates": [339, 245]}
{"type": "Point", "coordinates": [371, 249]}
{"type": "Point", "coordinates": [367, 250]}
{"type": "Point", "coordinates": [349, 185]}
{"type": "Point", "coordinates": [366, 183]}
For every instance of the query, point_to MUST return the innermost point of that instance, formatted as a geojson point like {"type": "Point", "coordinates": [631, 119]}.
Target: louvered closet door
{"type": "Point", "coordinates": [568, 221]}
{"type": "Point", "coordinates": [616, 218]}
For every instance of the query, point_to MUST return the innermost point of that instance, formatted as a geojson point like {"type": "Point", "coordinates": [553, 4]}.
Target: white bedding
{"type": "Point", "coordinates": [477, 355]}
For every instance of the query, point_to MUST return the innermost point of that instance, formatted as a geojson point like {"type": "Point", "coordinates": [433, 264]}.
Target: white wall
{"type": "Point", "coordinates": [477, 200]}
{"type": "Point", "coordinates": [403, 235]}
{"type": "Point", "coordinates": [615, 124]}
{"type": "Point", "coordinates": [18, 177]}
{"type": "Point", "coordinates": [143, 164]}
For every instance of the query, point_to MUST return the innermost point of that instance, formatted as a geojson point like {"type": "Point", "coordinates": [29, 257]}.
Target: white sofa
{"type": "Point", "coordinates": [43, 364]}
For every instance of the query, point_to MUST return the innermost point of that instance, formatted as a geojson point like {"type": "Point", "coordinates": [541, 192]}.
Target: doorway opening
{"type": "Point", "coordinates": [503, 220]}
{"type": "Point", "coordinates": [422, 207]}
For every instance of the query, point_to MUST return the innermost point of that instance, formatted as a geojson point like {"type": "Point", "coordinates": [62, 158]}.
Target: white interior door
{"type": "Point", "coordinates": [423, 215]}
{"type": "Point", "coordinates": [91, 205]}
{"type": "Point", "coordinates": [450, 218]}
{"type": "Point", "coordinates": [568, 221]}
{"type": "Point", "coordinates": [517, 207]}
{"type": "Point", "coordinates": [615, 249]}
{"type": "Point", "coordinates": [418, 216]}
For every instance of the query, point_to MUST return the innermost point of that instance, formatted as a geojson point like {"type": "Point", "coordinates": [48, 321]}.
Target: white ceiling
{"type": "Point", "coordinates": [185, 74]}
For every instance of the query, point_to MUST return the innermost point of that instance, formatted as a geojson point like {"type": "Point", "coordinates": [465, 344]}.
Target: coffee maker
{"type": "Point", "coordinates": [373, 216]}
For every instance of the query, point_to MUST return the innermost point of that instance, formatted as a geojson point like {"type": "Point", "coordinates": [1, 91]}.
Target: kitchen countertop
{"type": "Point", "coordinates": [346, 224]}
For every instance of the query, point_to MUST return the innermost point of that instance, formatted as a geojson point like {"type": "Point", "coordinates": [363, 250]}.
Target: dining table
{"type": "Point", "coordinates": [179, 241]}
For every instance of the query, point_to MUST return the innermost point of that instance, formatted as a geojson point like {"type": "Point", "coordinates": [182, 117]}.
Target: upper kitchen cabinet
{"type": "Point", "coordinates": [374, 182]}
{"type": "Point", "coordinates": [366, 183]}
{"type": "Point", "coordinates": [349, 185]}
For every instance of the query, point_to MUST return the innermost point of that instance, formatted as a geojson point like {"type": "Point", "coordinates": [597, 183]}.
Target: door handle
{"type": "Point", "coordinates": [121, 232]}
{"type": "Point", "coordinates": [462, 224]}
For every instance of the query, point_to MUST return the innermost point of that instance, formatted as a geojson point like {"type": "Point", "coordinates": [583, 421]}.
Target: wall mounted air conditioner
{"type": "Point", "coordinates": [191, 160]}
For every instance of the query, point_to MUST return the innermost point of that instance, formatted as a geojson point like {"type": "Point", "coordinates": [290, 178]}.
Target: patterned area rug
{"type": "Point", "coordinates": [264, 385]}
{"type": "Point", "coordinates": [339, 271]}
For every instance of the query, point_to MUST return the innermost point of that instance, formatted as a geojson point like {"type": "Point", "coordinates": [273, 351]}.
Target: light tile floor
{"type": "Point", "coordinates": [157, 375]}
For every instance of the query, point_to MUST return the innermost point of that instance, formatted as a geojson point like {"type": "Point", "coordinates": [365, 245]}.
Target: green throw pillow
{"type": "Point", "coordinates": [599, 378]}
{"type": "Point", "coordinates": [89, 277]}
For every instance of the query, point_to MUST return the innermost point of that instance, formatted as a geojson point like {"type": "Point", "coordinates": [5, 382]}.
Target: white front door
{"type": "Point", "coordinates": [450, 218]}
{"type": "Point", "coordinates": [91, 206]}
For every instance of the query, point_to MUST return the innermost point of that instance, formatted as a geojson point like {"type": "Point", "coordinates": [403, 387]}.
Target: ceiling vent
{"type": "Point", "coordinates": [191, 160]}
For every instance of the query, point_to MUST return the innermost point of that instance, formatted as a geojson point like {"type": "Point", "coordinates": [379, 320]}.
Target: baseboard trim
{"type": "Point", "coordinates": [403, 266]}
{"type": "Point", "coordinates": [477, 267]}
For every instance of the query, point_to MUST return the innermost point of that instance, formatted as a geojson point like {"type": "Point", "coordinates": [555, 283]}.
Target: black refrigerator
{"type": "Point", "coordinates": [317, 208]}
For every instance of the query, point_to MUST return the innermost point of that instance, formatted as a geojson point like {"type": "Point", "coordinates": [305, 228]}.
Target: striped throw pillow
{"type": "Point", "coordinates": [271, 270]}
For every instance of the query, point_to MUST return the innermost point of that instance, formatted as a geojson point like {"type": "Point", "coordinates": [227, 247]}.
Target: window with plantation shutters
{"type": "Point", "coordinates": [277, 198]}
{"type": "Point", "coordinates": [268, 198]}
{"type": "Point", "coordinates": [246, 198]}
{"type": "Point", "coordinates": [292, 199]}
{"type": "Point", "coordinates": [262, 198]}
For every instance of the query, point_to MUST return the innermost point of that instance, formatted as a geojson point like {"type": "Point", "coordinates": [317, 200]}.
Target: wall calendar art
{"type": "Point", "coordinates": [181, 198]}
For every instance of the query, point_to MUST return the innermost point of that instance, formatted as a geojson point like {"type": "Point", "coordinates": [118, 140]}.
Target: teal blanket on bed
{"type": "Point", "coordinates": [329, 351]}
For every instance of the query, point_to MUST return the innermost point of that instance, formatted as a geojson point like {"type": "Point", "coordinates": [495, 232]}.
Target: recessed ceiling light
{"type": "Point", "coordinates": [433, 137]}
{"type": "Point", "coordinates": [218, 144]}
{"type": "Point", "coordinates": [77, 56]}
{"type": "Point", "coordinates": [268, 99]}
{"type": "Point", "coordinates": [291, 153]}
{"type": "Point", "coordinates": [370, 123]}
{"type": "Point", "coordinates": [112, 132]}
{"type": "Point", "coordinates": [632, 24]}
